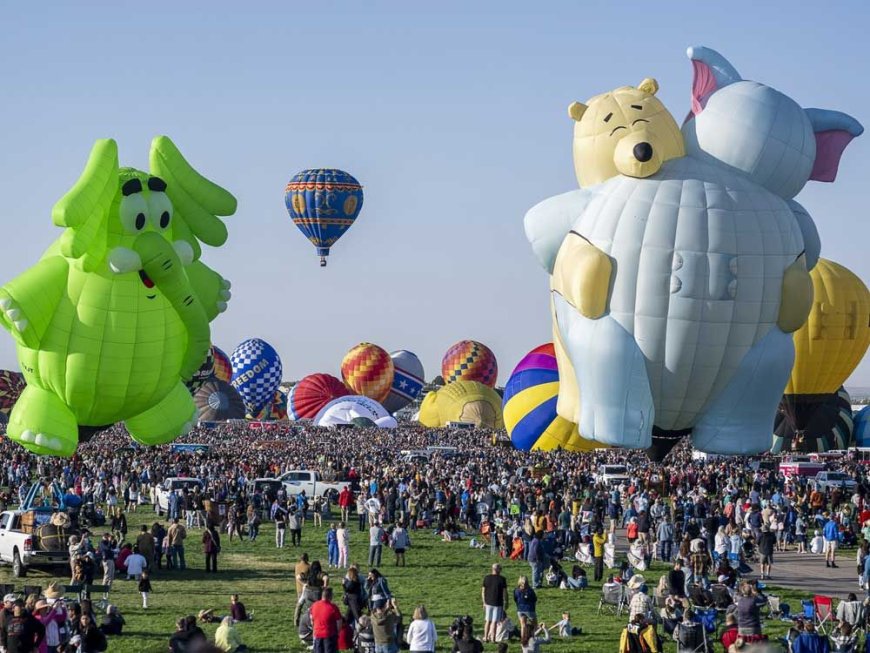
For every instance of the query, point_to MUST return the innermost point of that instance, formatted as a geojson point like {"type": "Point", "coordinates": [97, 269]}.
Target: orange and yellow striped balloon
{"type": "Point", "coordinates": [469, 360]}
{"type": "Point", "coordinates": [368, 370]}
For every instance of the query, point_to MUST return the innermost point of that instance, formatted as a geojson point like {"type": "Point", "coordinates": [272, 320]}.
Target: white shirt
{"type": "Point", "coordinates": [421, 635]}
{"type": "Point", "coordinates": [135, 564]}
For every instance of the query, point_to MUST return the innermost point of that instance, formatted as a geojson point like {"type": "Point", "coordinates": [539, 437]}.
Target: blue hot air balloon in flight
{"type": "Point", "coordinates": [323, 203]}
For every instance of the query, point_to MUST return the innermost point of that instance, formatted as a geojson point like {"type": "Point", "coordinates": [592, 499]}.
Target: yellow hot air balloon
{"type": "Point", "coordinates": [470, 402]}
{"type": "Point", "coordinates": [835, 337]}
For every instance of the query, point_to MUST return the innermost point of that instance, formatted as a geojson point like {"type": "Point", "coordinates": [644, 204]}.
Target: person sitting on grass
{"type": "Point", "coordinates": [237, 610]}
{"type": "Point", "coordinates": [227, 638]}
{"type": "Point", "coordinates": [112, 622]}
{"type": "Point", "coordinates": [810, 641]}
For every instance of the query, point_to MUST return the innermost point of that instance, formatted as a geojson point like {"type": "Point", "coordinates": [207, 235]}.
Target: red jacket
{"type": "Point", "coordinates": [346, 498]}
{"type": "Point", "coordinates": [729, 636]}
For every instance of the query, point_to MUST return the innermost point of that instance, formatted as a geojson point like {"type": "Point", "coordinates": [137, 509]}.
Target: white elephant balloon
{"type": "Point", "coordinates": [675, 292]}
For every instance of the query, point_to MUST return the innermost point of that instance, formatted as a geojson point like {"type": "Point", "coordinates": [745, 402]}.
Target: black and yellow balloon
{"type": "Point", "coordinates": [815, 412]}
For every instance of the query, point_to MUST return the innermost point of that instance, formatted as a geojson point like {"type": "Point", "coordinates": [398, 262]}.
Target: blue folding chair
{"type": "Point", "coordinates": [708, 618]}
{"type": "Point", "coordinates": [809, 609]}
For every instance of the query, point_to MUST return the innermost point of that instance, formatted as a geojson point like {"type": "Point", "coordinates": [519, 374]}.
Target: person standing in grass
{"type": "Point", "coordinates": [332, 545]}
{"type": "Point", "coordinates": [599, 539]}
{"type": "Point", "coordinates": [421, 635]}
{"type": "Point", "coordinates": [526, 601]}
{"type": "Point", "coordinates": [376, 544]}
{"type": "Point", "coordinates": [325, 621]}
{"type": "Point", "coordinates": [342, 536]}
{"type": "Point", "coordinates": [211, 546]}
{"type": "Point", "coordinates": [400, 542]}
{"type": "Point", "coordinates": [494, 595]}
{"type": "Point", "coordinates": [144, 588]}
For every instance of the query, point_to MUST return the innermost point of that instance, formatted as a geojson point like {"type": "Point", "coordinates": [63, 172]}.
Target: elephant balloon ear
{"type": "Point", "coordinates": [834, 130]}
{"type": "Point", "coordinates": [712, 72]}
{"type": "Point", "coordinates": [84, 208]}
{"type": "Point", "coordinates": [197, 201]}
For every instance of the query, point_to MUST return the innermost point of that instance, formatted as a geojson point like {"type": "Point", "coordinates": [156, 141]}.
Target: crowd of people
{"type": "Point", "coordinates": [710, 519]}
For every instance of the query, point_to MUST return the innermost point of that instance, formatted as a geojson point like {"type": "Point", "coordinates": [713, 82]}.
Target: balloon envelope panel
{"type": "Point", "coordinates": [809, 423]}
{"type": "Point", "coordinates": [368, 370]}
{"type": "Point", "coordinates": [11, 385]}
{"type": "Point", "coordinates": [256, 373]}
{"type": "Point", "coordinates": [530, 397]}
{"type": "Point", "coordinates": [205, 371]}
{"type": "Point", "coordinates": [223, 368]}
{"type": "Point", "coordinates": [469, 360]}
{"type": "Point", "coordinates": [312, 393]}
{"type": "Point", "coordinates": [407, 380]}
{"type": "Point", "coordinates": [469, 402]}
{"type": "Point", "coordinates": [345, 410]}
{"type": "Point", "coordinates": [323, 204]}
{"type": "Point", "coordinates": [862, 427]}
{"type": "Point", "coordinates": [834, 339]}
{"type": "Point", "coordinates": [218, 401]}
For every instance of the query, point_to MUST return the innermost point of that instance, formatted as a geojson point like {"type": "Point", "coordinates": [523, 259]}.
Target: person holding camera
{"type": "Point", "coordinates": [464, 640]}
{"type": "Point", "coordinates": [385, 622]}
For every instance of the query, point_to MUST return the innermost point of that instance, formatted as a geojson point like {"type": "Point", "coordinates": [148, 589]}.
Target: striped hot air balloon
{"type": "Point", "coordinates": [323, 203]}
{"type": "Point", "coordinates": [368, 370]}
{"type": "Point", "coordinates": [469, 360]}
{"type": "Point", "coordinates": [312, 393]}
{"type": "Point", "coordinates": [407, 381]}
{"type": "Point", "coordinates": [278, 410]}
{"type": "Point", "coordinates": [530, 397]}
{"type": "Point", "coordinates": [11, 386]}
{"type": "Point", "coordinates": [223, 369]}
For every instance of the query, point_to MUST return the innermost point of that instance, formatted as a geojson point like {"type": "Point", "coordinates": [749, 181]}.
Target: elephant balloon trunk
{"type": "Point", "coordinates": [161, 265]}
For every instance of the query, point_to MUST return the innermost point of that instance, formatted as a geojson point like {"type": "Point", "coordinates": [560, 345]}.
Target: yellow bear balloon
{"type": "Point", "coordinates": [627, 131]}
{"type": "Point", "coordinates": [835, 337]}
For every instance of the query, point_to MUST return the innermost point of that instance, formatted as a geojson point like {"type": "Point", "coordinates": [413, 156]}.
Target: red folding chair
{"type": "Point", "coordinates": [824, 609]}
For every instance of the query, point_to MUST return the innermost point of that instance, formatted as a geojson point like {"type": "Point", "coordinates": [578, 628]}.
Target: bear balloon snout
{"type": "Point", "coordinates": [643, 152]}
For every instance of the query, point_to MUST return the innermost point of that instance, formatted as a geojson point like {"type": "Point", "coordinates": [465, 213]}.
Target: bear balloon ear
{"type": "Point", "coordinates": [834, 131]}
{"type": "Point", "coordinates": [712, 72]}
{"type": "Point", "coordinates": [649, 86]}
{"type": "Point", "coordinates": [576, 111]}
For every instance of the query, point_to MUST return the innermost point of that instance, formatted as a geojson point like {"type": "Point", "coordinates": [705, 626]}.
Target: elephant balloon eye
{"type": "Point", "coordinates": [133, 213]}
{"type": "Point", "coordinates": [161, 209]}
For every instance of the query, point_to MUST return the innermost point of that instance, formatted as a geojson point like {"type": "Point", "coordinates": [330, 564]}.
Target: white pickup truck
{"type": "Point", "coordinates": [303, 479]}
{"type": "Point", "coordinates": [21, 550]}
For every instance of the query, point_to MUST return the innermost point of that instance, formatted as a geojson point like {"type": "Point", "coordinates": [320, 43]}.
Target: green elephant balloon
{"type": "Point", "coordinates": [115, 316]}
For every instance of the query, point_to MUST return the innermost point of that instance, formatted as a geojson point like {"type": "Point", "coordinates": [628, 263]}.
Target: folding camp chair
{"type": "Point", "coordinates": [613, 599]}
{"type": "Point", "coordinates": [824, 612]}
{"type": "Point", "coordinates": [700, 596]}
{"type": "Point", "coordinates": [708, 618]}
{"type": "Point", "coordinates": [99, 589]}
{"type": "Point", "coordinates": [6, 588]}
{"type": "Point", "coordinates": [773, 610]}
{"type": "Point", "coordinates": [721, 596]}
{"type": "Point", "coordinates": [809, 609]}
{"type": "Point", "coordinates": [690, 637]}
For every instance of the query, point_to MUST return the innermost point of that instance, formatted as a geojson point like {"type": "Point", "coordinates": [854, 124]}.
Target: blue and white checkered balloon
{"type": "Point", "coordinates": [256, 374]}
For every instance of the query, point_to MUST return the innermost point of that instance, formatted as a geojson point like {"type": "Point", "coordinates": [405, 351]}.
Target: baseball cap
{"type": "Point", "coordinates": [9, 598]}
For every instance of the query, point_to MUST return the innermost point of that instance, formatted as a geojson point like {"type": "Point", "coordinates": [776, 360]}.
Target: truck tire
{"type": "Point", "coordinates": [18, 568]}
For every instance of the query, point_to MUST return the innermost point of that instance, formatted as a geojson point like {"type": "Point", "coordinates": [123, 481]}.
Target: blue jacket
{"type": "Point", "coordinates": [526, 599]}
{"type": "Point", "coordinates": [831, 531]}
{"type": "Point", "coordinates": [810, 643]}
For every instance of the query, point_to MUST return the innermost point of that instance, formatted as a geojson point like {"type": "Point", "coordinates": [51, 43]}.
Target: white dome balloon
{"type": "Point", "coordinates": [346, 409]}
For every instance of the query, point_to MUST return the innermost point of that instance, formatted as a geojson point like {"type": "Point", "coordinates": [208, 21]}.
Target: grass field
{"type": "Point", "coordinates": [444, 576]}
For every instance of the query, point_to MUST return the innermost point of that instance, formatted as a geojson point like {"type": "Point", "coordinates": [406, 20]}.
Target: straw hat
{"type": "Point", "coordinates": [53, 591]}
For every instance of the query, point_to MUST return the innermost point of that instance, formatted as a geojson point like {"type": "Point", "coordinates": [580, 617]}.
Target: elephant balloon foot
{"type": "Point", "coordinates": [172, 417]}
{"type": "Point", "coordinates": [617, 409]}
{"type": "Point", "coordinates": [740, 421]}
{"type": "Point", "coordinates": [42, 423]}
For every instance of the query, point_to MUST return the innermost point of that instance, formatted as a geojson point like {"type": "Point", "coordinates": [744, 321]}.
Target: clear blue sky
{"type": "Point", "coordinates": [453, 117]}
